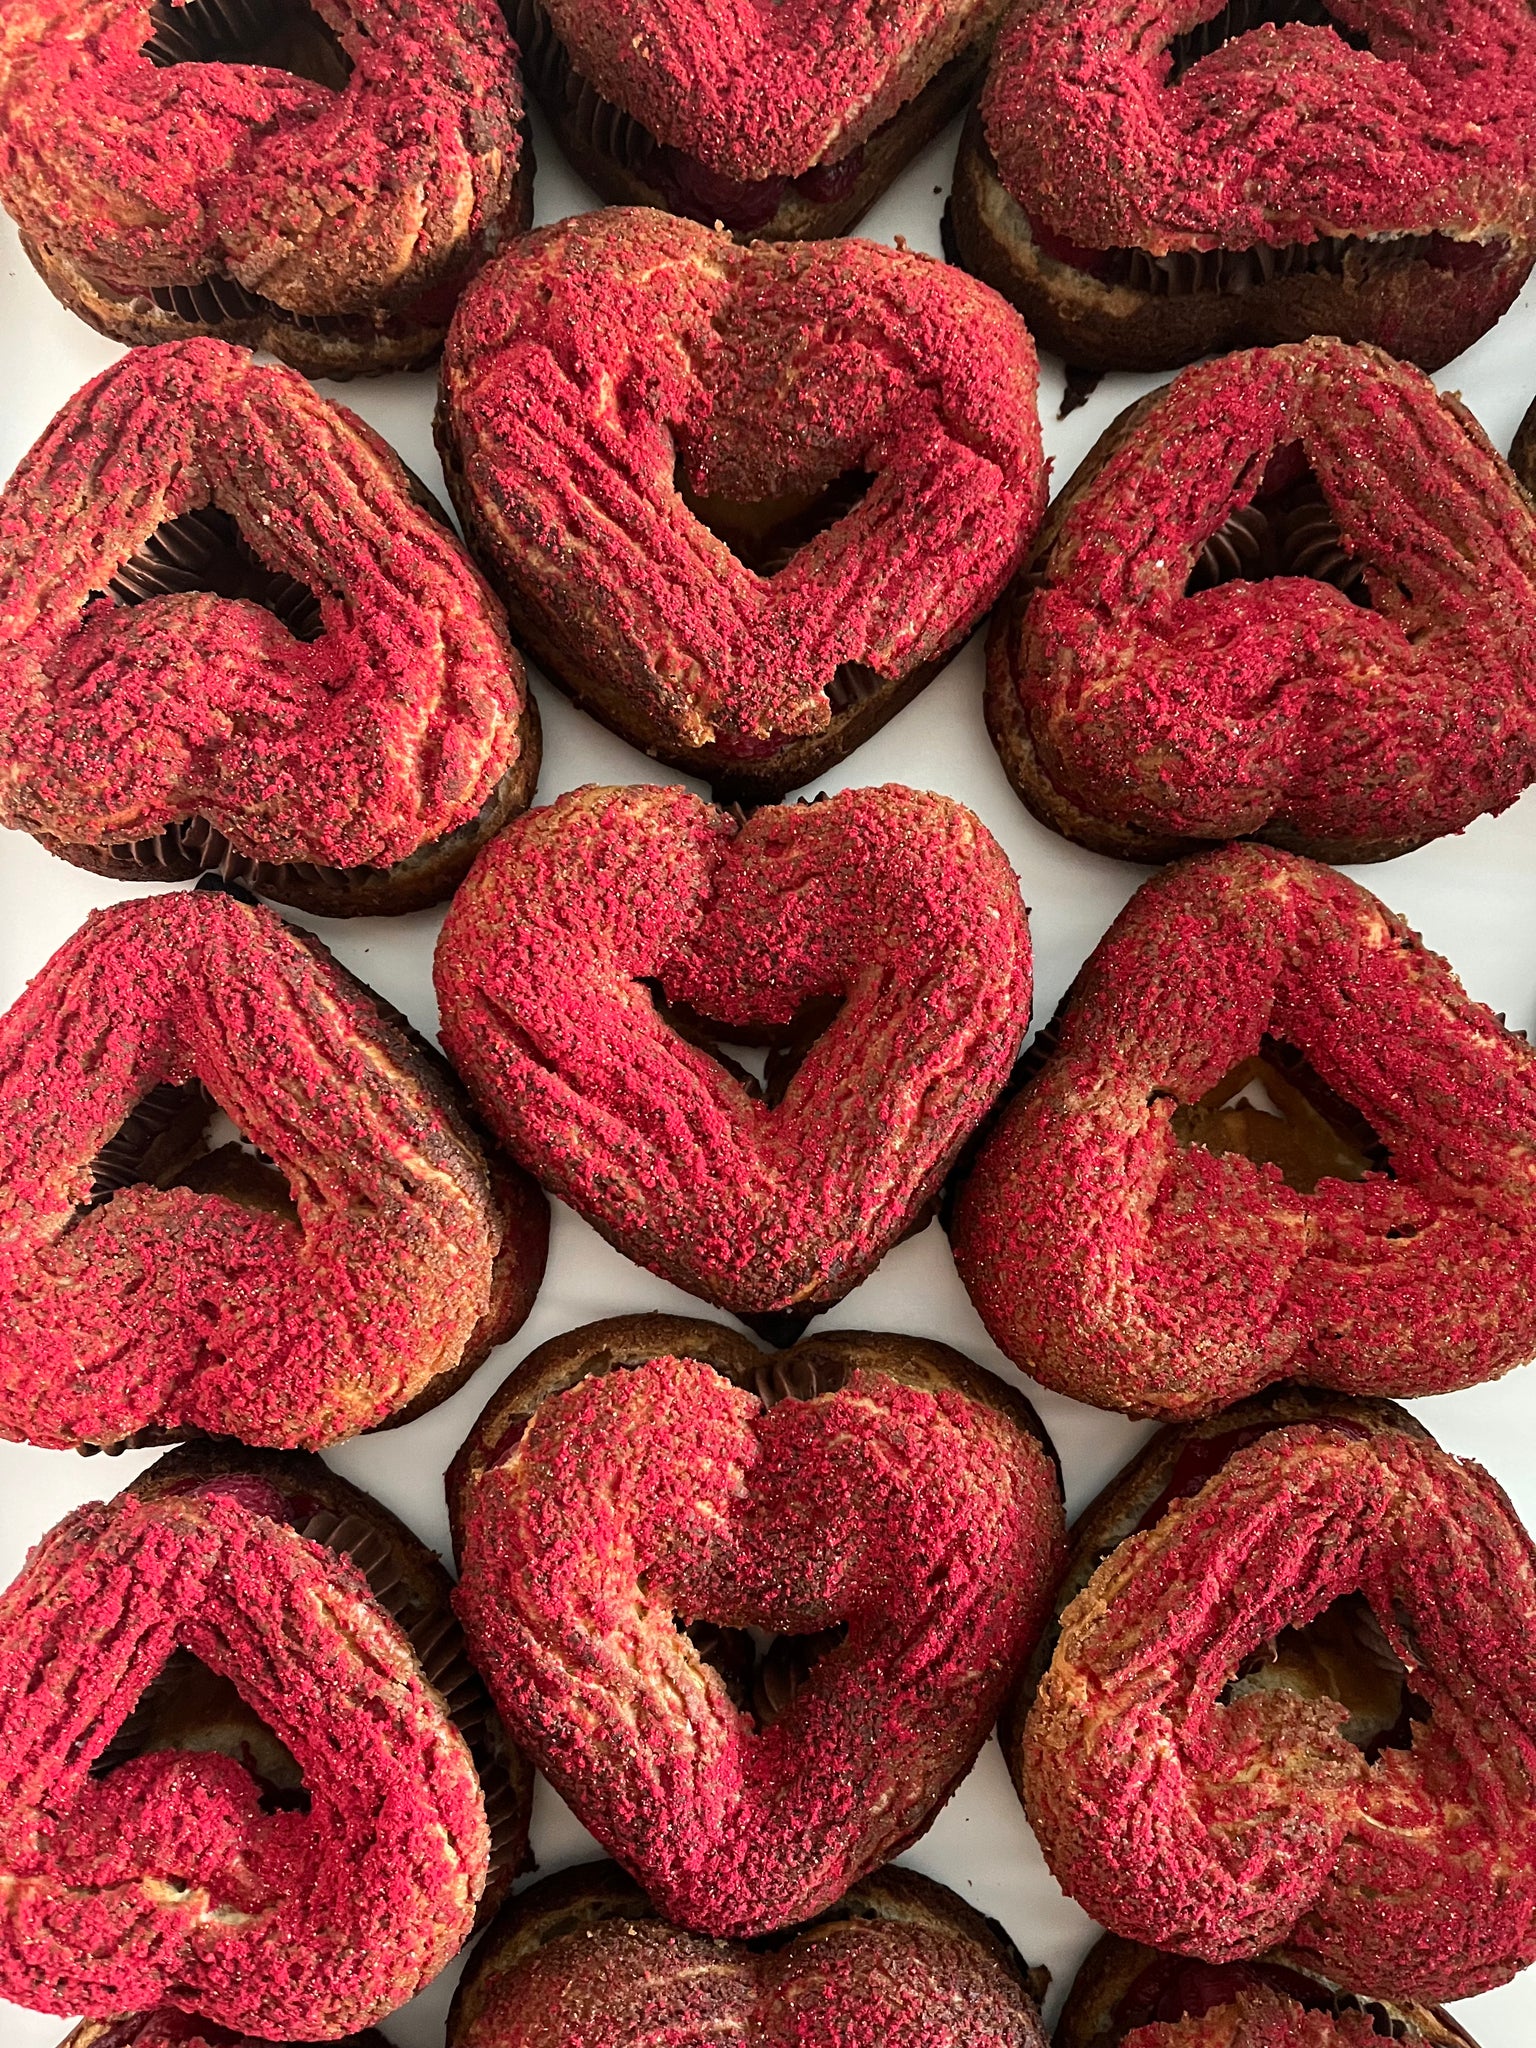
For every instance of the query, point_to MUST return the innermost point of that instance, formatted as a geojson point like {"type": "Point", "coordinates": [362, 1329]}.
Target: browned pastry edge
{"type": "Point", "coordinates": [1112, 1967]}
{"type": "Point", "coordinates": [1117, 1512]}
{"type": "Point", "coordinates": [1522, 452]}
{"type": "Point", "coordinates": [1070, 313]}
{"type": "Point", "coordinates": [765, 778]}
{"type": "Point", "coordinates": [617, 1342]}
{"type": "Point", "coordinates": [1008, 727]}
{"type": "Point", "coordinates": [583, 1897]}
{"type": "Point", "coordinates": [413, 1587]}
{"type": "Point", "coordinates": [312, 350]}
{"type": "Point", "coordinates": [886, 153]}
{"type": "Point", "coordinates": [109, 2034]}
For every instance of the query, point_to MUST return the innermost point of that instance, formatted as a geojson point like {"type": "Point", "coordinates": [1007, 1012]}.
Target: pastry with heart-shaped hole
{"type": "Point", "coordinates": [344, 1260]}
{"type": "Point", "coordinates": [1128, 1996]}
{"type": "Point", "coordinates": [583, 1961]}
{"type": "Point", "coordinates": [646, 431]}
{"type": "Point", "coordinates": [237, 634]}
{"type": "Point", "coordinates": [1151, 187]}
{"type": "Point", "coordinates": [319, 181]}
{"type": "Point", "coordinates": [752, 1613]}
{"type": "Point", "coordinates": [773, 122]}
{"type": "Point", "coordinates": [1277, 1140]}
{"type": "Point", "coordinates": [1290, 1698]}
{"type": "Point", "coordinates": [1292, 596]}
{"type": "Point", "coordinates": [891, 912]}
{"type": "Point", "coordinates": [243, 1754]}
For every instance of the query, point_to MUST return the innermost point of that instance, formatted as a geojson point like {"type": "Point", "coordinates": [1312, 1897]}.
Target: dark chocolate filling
{"type": "Point", "coordinates": [1312, 1135]}
{"type": "Point", "coordinates": [1241, 17]}
{"type": "Point", "coordinates": [205, 550]}
{"type": "Point", "coordinates": [279, 35]}
{"type": "Point", "coordinates": [1285, 532]}
{"type": "Point", "coordinates": [762, 1673]}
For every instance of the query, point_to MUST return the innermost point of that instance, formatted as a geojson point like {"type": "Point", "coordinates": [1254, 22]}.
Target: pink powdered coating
{"type": "Point", "coordinates": [580, 364]}
{"type": "Point", "coordinates": [764, 92]}
{"type": "Point", "coordinates": [1281, 704]}
{"type": "Point", "coordinates": [1223, 1830]}
{"type": "Point", "coordinates": [164, 1881]}
{"type": "Point", "coordinates": [326, 202]}
{"type": "Point", "coordinates": [183, 1310]}
{"type": "Point", "coordinates": [1282, 135]}
{"type": "Point", "coordinates": [1259, 2018]}
{"type": "Point", "coordinates": [901, 902]}
{"type": "Point", "coordinates": [1117, 1266]}
{"type": "Point", "coordinates": [389, 731]}
{"type": "Point", "coordinates": [927, 1522]}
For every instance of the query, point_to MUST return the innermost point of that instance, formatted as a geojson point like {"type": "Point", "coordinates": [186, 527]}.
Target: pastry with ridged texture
{"type": "Point", "coordinates": [1276, 1140]}
{"type": "Point", "coordinates": [1149, 186]}
{"type": "Point", "coordinates": [1290, 596]}
{"type": "Point", "coordinates": [243, 1759]}
{"type": "Point", "coordinates": [886, 920]}
{"type": "Point", "coordinates": [647, 1499]}
{"type": "Point", "coordinates": [342, 1258]}
{"type": "Point", "coordinates": [237, 634]}
{"type": "Point", "coordinates": [1295, 1705]}
{"type": "Point", "coordinates": [319, 181]}
{"type": "Point", "coordinates": [779, 123]}
{"type": "Point", "coordinates": [742, 503]}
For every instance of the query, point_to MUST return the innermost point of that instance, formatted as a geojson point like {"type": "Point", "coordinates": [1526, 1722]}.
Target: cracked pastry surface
{"type": "Point", "coordinates": [1293, 594]}
{"type": "Point", "coordinates": [1132, 1240]}
{"type": "Point", "coordinates": [169, 1878]}
{"type": "Point", "coordinates": [362, 706]}
{"type": "Point", "coordinates": [291, 1299]}
{"type": "Point", "coordinates": [644, 1488]}
{"type": "Point", "coordinates": [337, 214]}
{"type": "Point", "coordinates": [896, 904]}
{"type": "Point", "coordinates": [1187, 1809]}
{"type": "Point", "coordinates": [611, 362]}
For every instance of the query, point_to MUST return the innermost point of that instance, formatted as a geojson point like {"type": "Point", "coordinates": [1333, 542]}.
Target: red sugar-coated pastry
{"type": "Point", "coordinates": [1139, 1233]}
{"type": "Point", "coordinates": [642, 1493]}
{"type": "Point", "coordinates": [362, 1266]}
{"type": "Point", "coordinates": [231, 634]}
{"type": "Point", "coordinates": [1194, 1765]}
{"type": "Point", "coordinates": [582, 1961]}
{"type": "Point", "coordinates": [1128, 1996]}
{"type": "Point", "coordinates": [170, 1879]}
{"type": "Point", "coordinates": [1151, 184]}
{"type": "Point", "coordinates": [895, 909]}
{"type": "Point", "coordinates": [317, 182]}
{"type": "Point", "coordinates": [166, 2029]}
{"type": "Point", "coordinates": [623, 389]}
{"type": "Point", "coordinates": [1290, 595]}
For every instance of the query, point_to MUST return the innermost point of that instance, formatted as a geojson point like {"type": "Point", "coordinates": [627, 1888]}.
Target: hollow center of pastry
{"type": "Point", "coordinates": [1342, 1655]}
{"type": "Point", "coordinates": [764, 1063]}
{"type": "Point", "coordinates": [205, 550]}
{"type": "Point", "coordinates": [767, 534]}
{"type": "Point", "coordinates": [1288, 529]}
{"type": "Point", "coordinates": [763, 1673]}
{"type": "Point", "coordinates": [178, 1137]}
{"type": "Point", "coordinates": [186, 1706]}
{"type": "Point", "coordinates": [1241, 18]}
{"type": "Point", "coordinates": [280, 35]}
{"type": "Point", "coordinates": [1275, 1109]}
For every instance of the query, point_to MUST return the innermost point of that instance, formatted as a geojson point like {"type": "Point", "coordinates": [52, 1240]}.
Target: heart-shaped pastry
{"type": "Point", "coordinates": [1129, 1996]}
{"type": "Point", "coordinates": [317, 181]}
{"type": "Point", "coordinates": [233, 634]}
{"type": "Point", "coordinates": [894, 909]}
{"type": "Point", "coordinates": [622, 390]}
{"type": "Point", "coordinates": [287, 1833]}
{"type": "Point", "coordinates": [1277, 1140]}
{"type": "Point", "coordinates": [355, 1269]}
{"type": "Point", "coordinates": [1290, 595]}
{"type": "Point", "coordinates": [643, 1495]}
{"type": "Point", "coordinates": [581, 1961]}
{"type": "Point", "coordinates": [1296, 1703]}
{"type": "Point", "coordinates": [778, 123]}
{"type": "Point", "coordinates": [1150, 187]}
